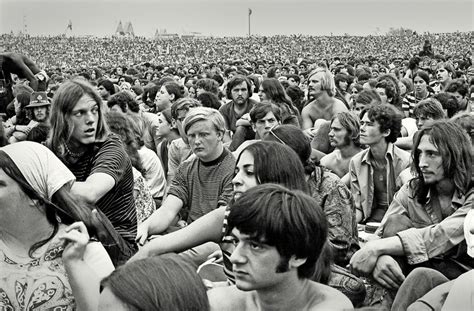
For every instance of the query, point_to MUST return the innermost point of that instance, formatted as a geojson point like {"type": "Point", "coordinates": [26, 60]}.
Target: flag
{"type": "Point", "coordinates": [69, 26]}
{"type": "Point", "coordinates": [250, 11]}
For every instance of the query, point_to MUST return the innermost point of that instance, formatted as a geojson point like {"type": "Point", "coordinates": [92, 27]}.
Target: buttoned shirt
{"type": "Point", "coordinates": [362, 177]}
{"type": "Point", "coordinates": [436, 230]}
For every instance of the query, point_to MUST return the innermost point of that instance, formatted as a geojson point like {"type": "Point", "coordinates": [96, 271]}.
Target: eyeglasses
{"type": "Point", "coordinates": [275, 135]}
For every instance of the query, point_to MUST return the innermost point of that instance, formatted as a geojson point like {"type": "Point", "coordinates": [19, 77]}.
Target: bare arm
{"type": "Point", "coordinates": [94, 188]}
{"type": "Point", "coordinates": [207, 228]}
{"type": "Point", "coordinates": [161, 219]}
{"type": "Point", "coordinates": [306, 116]}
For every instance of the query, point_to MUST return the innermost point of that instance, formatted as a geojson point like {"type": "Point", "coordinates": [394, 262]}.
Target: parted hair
{"type": "Point", "coordinates": [64, 101]}
{"type": "Point", "coordinates": [457, 157]}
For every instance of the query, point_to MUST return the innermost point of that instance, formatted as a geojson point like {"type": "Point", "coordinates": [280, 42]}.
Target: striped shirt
{"type": "Point", "coordinates": [118, 204]}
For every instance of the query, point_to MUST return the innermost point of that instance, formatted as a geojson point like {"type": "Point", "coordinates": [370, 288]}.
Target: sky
{"type": "Point", "coordinates": [230, 17]}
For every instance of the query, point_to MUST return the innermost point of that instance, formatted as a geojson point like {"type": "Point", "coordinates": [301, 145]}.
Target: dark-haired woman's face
{"type": "Point", "coordinates": [262, 95]}
{"type": "Point", "coordinates": [420, 85]}
{"type": "Point", "coordinates": [244, 175]}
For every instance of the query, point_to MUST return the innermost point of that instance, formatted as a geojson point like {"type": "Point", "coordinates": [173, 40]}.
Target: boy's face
{"type": "Point", "coordinates": [255, 264]}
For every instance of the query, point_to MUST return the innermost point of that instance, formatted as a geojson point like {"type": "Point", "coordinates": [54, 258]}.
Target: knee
{"type": "Point", "coordinates": [395, 224]}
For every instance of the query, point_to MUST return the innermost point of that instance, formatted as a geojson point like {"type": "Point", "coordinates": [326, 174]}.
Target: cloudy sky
{"type": "Point", "coordinates": [230, 17]}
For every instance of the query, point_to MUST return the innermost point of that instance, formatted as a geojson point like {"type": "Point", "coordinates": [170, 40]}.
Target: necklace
{"type": "Point", "coordinates": [73, 154]}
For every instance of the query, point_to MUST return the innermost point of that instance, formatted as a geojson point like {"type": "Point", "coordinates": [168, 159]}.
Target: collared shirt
{"type": "Point", "coordinates": [433, 234]}
{"type": "Point", "coordinates": [362, 177]}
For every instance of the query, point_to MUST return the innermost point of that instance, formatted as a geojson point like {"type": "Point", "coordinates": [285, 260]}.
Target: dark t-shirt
{"type": "Point", "coordinates": [118, 204]}
{"type": "Point", "coordinates": [230, 116]}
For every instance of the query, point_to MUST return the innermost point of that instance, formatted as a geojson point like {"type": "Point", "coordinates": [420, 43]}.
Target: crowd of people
{"type": "Point", "coordinates": [261, 173]}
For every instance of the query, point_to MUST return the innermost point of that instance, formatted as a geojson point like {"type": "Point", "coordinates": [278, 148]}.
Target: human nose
{"type": "Point", "coordinates": [238, 255]}
{"type": "Point", "coordinates": [423, 160]}
{"type": "Point", "coordinates": [237, 180]}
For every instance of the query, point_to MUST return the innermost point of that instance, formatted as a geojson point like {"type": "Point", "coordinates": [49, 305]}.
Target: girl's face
{"type": "Point", "coordinates": [163, 128]}
{"type": "Point", "coordinates": [244, 178]}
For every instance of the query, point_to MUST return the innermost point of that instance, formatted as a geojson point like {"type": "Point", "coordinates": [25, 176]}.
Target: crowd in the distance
{"type": "Point", "coordinates": [237, 173]}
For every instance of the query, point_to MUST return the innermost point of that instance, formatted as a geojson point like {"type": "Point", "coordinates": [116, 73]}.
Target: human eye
{"type": "Point", "coordinates": [255, 245]}
{"type": "Point", "coordinates": [95, 110]}
{"type": "Point", "coordinates": [77, 113]}
{"type": "Point", "coordinates": [249, 172]}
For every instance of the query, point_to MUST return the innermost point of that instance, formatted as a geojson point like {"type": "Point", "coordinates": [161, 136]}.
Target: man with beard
{"type": "Point", "coordinates": [423, 226]}
{"type": "Point", "coordinates": [239, 89]}
{"type": "Point", "coordinates": [344, 136]}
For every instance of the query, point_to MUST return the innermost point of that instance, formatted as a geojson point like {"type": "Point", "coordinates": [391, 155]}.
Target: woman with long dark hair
{"type": "Point", "coordinates": [35, 240]}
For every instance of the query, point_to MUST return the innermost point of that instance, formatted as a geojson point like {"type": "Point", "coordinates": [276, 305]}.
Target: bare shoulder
{"type": "Point", "coordinates": [328, 298]}
{"type": "Point", "coordinates": [329, 159]}
{"type": "Point", "coordinates": [227, 298]}
{"type": "Point", "coordinates": [339, 106]}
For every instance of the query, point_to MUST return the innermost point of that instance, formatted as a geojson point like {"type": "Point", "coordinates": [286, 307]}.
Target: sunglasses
{"type": "Point", "coordinates": [275, 135]}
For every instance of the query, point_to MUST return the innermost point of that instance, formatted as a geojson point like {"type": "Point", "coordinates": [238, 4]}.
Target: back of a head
{"type": "Point", "coordinates": [289, 220]}
{"type": "Point", "coordinates": [277, 163]}
{"type": "Point", "coordinates": [183, 104]}
{"type": "Point", "coordinates": [209, 99]}
{"type": "Point", "coordinates": [124, 100]}
{"type": "Point", "coordinates": [368, 97]}
{"type": "Point", "coordinates": [429, 108]}
{"type": "Point", "coordinates": [260, 111]}
{"type": "Point", "coordinates": [164, 282]}
{"type": "Point", "coordinates": [294, 138]}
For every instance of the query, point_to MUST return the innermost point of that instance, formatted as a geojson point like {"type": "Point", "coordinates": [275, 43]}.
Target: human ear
{"type": "Point", "coordinates": [295, 263]}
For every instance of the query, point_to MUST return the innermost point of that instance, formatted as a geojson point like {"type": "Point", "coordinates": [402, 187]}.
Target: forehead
{"type": "Point", "coordinates": [336, 123]}
{"type": "Point", "coordinates": [269, 115]}
{"type": "Point", "coordinates": [201, 126]}
{"type": "Point", "coordinates": [239, 86]}
{"type": "Point", "coordinates": [317, 76]}
{"type": "Point", "coordinates": [426, 144]}
{"type": "Point", "coordinates": [418, 78]}
{"type": "Point", "coordinates": [85, 102]}
{"type": "Point", "coordinates": [246, 158]}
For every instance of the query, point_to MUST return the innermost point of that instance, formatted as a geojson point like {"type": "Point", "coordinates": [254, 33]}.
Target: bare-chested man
{"type": "Point", "coordinates": [344, 136]}
{"type": "Point", "coordinates": [322, 89]}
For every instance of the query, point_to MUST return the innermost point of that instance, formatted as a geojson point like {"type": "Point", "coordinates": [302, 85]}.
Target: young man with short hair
{"type": "Point", "coordinates": [278, 235]}
{"type": "Point", "coordinates": [202, 183]}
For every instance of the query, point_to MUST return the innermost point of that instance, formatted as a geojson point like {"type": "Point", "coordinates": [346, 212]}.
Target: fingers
{"type": "Point", "coordinates": [397, 274]}
{"type": "Point", "coordinates": [76, 237]}
{"type": "Point", "coordinates": [386, 281]}
{"type": "Point", "coordinates": [79, 226]}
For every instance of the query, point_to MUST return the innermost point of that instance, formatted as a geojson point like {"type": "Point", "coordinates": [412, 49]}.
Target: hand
{"type": "Point", "coordinates": [217, 255]}
{"type": "Point", "coordinates": [243, 121]}
{"type": "Point", "coordinates": [76, 239]}
{"type": "Point", "coordinates": [142, 233]}
{"type": "Point", "coordinates": [388, 273]}
{"type": "Point", "coordinates": [364, 260]}
{"type": "Point", "coordinates": [23, 67]}
{"type": "Point", "coordinates": [309, 133]}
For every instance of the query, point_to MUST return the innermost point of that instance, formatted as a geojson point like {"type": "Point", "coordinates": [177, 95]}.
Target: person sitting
{"type": "Point", "coordinates": [374, 171]}
{"type": "Point", "coordinates": [35, 240]}
{"type": "Point", "coordinates": [345, 137]}
{"type": "Point", "coordinates": [104, 175]}
{"type": "Point", "coordinates": [278, 236]}
{"type": "Point", "coordinates": [421, 228]}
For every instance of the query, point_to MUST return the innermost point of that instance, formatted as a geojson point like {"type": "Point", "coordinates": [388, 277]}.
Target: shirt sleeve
{"type": "Point", "coordinates": [111, 159]}
{"type": "Point", "coordinates": [355, 187]}
{"type": "Point", "coordinates": [424, 243]}
{"type": "Point", "coordinates": [98, 260]}
{"type": "Point", "coordinates": [179, 185]}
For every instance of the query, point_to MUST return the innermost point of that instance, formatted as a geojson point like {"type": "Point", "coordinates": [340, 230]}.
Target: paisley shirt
{"type": "Point", "coordinates": [42, 283]}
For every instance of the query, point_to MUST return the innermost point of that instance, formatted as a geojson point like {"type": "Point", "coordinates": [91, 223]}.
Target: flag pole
{"type": "Point", "coordinates": [250, 13]}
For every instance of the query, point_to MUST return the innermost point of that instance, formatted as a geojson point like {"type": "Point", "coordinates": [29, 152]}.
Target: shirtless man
{"type": "Point", "coordinates": [278, 236]}
{"type": "Point", "coordinates": [344, 136]}
{"type": "Point", "coordinates": [324, 105]}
